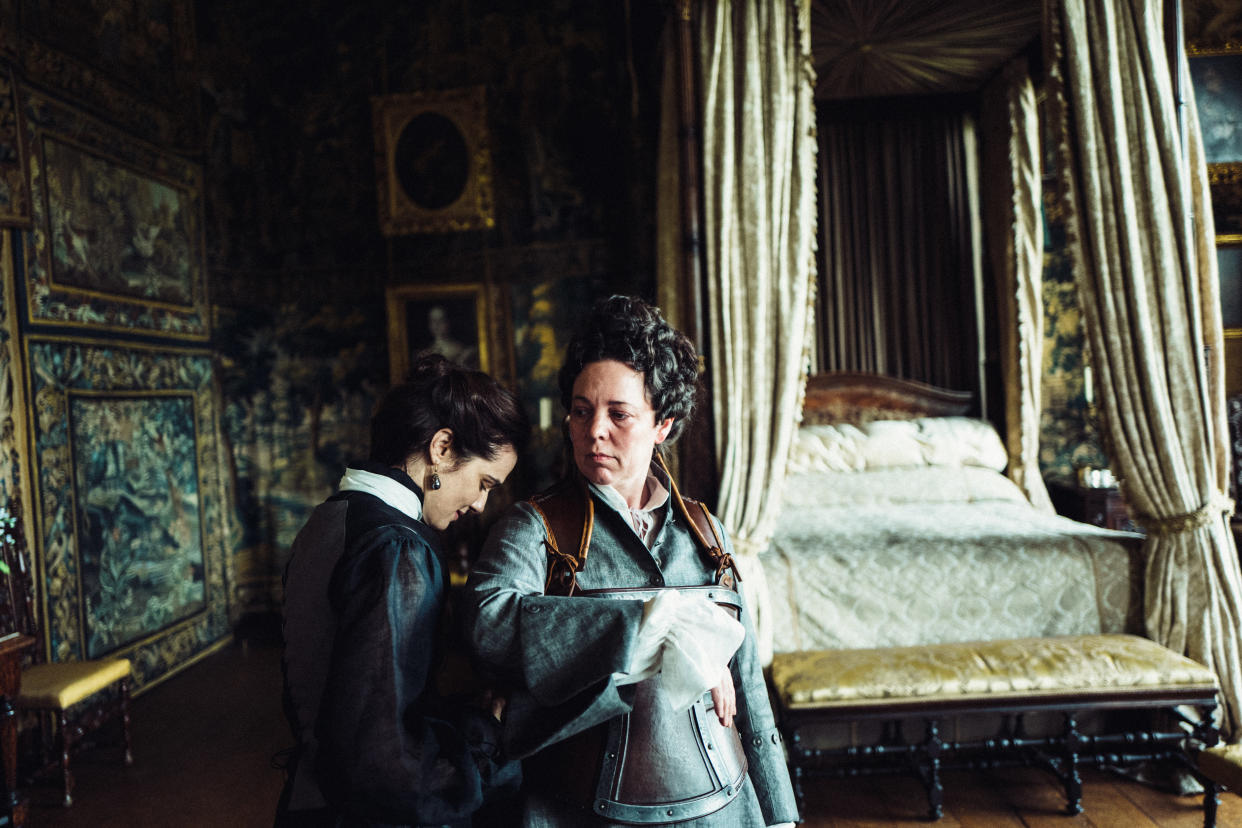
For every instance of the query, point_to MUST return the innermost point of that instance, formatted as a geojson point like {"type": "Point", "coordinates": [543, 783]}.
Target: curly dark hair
{"type": "Point", "coordinates": [627, 329]}
{"type": "Point", "coordinates": [483, 415]}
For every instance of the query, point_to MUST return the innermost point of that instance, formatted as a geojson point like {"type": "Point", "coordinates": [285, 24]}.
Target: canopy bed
{"type": "Point", "coordinates": [899, 528]}
{"type": "Point", "coordinates": [1126, 166]}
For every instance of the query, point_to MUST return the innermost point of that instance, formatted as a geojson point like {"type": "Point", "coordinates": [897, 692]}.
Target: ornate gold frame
{"type": "Point", "coordinates": [464, 302]}
{"type": "Point", "coordinates": [60, 369]}
{"type": "Point", "coordinates": [432, 162]}
{"type": "Point", "coordinates": [1225, 181]}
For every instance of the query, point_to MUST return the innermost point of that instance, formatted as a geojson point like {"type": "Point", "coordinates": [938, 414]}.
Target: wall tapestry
{"type": "Point", "coordinates": [545, 315]}
{"type": "Point", "coordinates": [131, 502]}
{"type": "Point", "coordinates": [1069, 435]}
{"type": "Point", "coordinates": [13, 431]}
{"type": "Point", "coordinates": [119, 235]}
{"type": "Point", "coordinates": [132, 62]}
{"type": "Point", "coordinates": [14, 191]}
{"type": "Point", "coordinates": [298, 384]}
{"type": "Point", "coordinates": [8, 30]}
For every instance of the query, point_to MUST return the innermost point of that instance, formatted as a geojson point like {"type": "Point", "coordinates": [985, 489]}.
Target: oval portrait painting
{"type": "Point", "coordinates": [432, 161]}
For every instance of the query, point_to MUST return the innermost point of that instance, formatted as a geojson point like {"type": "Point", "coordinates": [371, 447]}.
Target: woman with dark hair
{"type": "Point", "coordinates": [610, 607]}
{"type": "Point", "coordinates": [364, 593]}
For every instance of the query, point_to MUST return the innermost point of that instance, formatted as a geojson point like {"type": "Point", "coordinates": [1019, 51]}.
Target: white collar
{"type": "Point", "coordinates": [655, 495]}
{"type": "Point", "coordinates": [386, 489]}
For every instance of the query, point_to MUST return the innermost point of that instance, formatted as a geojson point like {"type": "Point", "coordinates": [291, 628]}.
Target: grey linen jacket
{"type": "Point", "coordinates": [556, 655]}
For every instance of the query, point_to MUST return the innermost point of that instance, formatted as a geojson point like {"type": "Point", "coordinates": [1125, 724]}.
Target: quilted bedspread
{"type": "Point", "coordinates": [884, 556]}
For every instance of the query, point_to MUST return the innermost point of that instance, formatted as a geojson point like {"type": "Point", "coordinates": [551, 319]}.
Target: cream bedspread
{"type": "Point", "coordinates": [900, 556]}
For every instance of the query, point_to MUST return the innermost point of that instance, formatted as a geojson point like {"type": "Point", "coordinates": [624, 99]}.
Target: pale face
{"type": "Point", "coordinates": [464, 489]}
{"type": "Point", "coordinates": [613, 428]}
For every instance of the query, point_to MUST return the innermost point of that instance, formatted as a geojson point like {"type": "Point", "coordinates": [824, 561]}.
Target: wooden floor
{"type": "Point", "coordinates": [203, 743]}
{"type": "Point", "coordinates": [1009, 797]}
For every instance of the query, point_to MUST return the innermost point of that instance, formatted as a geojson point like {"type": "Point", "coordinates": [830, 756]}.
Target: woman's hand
{"type": "Point", "coordinates": [724, 699]}
{"type": "Point", "coordinates": [492, 702]}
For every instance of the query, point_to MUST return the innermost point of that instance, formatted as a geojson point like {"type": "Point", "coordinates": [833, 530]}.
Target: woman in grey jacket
{"type": "Point", "coordinates": [643, 710]}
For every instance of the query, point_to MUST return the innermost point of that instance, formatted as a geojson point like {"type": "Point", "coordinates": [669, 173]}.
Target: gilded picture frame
{"type": "Point", "coordinates": [433, 162]}
{"type": "Point", "coordinates": [1212, 27]}
{"type": "Point", "coordinates": [118, 242]}
{"type": "Point", "coordinates": [131, 501]}
{"type": "Point", "coordinates": [1225, 182]}
{"type": "Point", "coordinates": [448, 319]}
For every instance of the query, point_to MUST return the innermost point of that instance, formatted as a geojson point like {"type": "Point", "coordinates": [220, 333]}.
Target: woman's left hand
{"type": "Point", "coordinates": [724, 699]}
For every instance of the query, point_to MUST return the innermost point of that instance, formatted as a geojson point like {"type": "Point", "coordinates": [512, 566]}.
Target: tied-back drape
{"type": "Point", "coordinates": [1014, 230]}
{"type": "Point", "coordinates": [1151, 306]}
{"type": "Point", "coordinates": [758, 153]}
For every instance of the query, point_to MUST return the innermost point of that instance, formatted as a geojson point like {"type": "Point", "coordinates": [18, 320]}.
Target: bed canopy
{"type": "Point", "coordinates": [739, 211]}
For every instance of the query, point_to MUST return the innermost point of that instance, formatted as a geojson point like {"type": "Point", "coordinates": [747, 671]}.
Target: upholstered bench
{"type": "Point", "coordinates": [1222, 766]}
{"type": "Point", "coordinates": [1068, 676]}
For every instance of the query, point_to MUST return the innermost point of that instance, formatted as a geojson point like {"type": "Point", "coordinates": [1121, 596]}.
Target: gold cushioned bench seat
{"type": "Point", "coordinates": [1067, 675]}
{"type": "Point", "coordinates": [1074, 667]}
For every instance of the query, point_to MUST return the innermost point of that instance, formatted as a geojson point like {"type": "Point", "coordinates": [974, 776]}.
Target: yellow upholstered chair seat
{"type": "Point", "coordinates": [61, 685]}
{"type": "Point", "coordinates": [1069, 666]}
{"type": "Point", "coordinates": [1222, 764]}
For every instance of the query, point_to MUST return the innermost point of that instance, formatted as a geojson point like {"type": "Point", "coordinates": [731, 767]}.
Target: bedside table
{"type": "Point", "coordinates": [1097, 506]}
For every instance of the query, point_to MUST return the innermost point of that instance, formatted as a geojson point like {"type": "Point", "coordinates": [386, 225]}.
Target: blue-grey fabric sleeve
{"type": "Point", "coordinates": [557, 654]}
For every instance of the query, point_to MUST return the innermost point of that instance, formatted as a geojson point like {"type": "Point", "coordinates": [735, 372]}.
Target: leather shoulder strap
{"type": "Point", "coordinates": [568, 516]}
{"type": "Point", "coordinates": [704, 530]}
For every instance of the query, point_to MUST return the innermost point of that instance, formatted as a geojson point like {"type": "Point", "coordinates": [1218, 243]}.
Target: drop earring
{"type": "Point", "coordinates": [435, 479]}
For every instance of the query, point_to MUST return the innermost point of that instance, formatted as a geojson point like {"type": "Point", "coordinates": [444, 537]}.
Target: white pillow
{"type": "Point", "coordinates": [893, 444]}
{"type": "Point", "coordinates": [886, 444]}
{"type": "Point", "coordinates": [827, 448]}
{"type": "Point", "coordinates": [961, 441]}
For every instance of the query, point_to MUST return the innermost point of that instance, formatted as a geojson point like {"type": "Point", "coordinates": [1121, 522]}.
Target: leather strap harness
{"type": "Point", "coordinates": [568, 514]}
{"type": "Point", "coordinates": [654, 765]}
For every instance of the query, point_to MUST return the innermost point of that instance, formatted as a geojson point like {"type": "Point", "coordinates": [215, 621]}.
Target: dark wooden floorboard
{"type": "Point", "coordinates": [203, 743]}
{"type": "Point", "coordinates": [1007, 798]}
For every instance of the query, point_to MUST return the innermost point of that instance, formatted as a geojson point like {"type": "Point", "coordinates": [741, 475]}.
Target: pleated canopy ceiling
{"type": "Point", "coordinates": [870, 48]}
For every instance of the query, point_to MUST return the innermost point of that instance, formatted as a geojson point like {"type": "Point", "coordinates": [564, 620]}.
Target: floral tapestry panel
{"type": "Point", "coordinates": [133, 63]}
{"type": "Point", "coordinates": [115, 231]}
{"type": "Point", "coordinates": [14, 192]}
{"type": "Point", "coordinates": [118, 239]}
{"type": "Point", "coordinates": [544, 316]}
{"type": "Point", "coordinates": [1069, 438]}
{"type": "Point", "coordinates": [139, 529]}
{"type": "Point", "coordinates": [299, 384]}
{"type": "Point", "coordinates": [131, 501]}
{"type": "Point", "coordinates": [147, 45]}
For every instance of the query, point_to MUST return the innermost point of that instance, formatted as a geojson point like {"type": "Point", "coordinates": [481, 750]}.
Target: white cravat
{"type": "Point", "coordinates": [385, 488]}
{"type": "Point", "coordinates": [642, 520]}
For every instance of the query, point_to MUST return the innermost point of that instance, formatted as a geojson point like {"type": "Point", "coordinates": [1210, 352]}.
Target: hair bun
{"type": "Point", "coordinates": [429, 368]}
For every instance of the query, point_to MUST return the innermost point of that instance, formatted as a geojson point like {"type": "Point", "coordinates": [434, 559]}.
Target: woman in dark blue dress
{"type": "Point", "coordinates": [365, 591]}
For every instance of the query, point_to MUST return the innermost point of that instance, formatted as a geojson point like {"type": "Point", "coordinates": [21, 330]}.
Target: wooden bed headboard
{"type": "Point", "coordinates": [856, 397]}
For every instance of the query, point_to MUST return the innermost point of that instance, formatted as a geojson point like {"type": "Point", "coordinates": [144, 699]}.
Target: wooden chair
{"type": "Point", "coordinates": [71, 698]}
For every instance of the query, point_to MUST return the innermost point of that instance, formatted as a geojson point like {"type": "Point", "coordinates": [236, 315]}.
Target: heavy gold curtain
{"type": "Point", "coordinates": [1014, 230]}
{"type": "Point", "coordinates": [758, 194]}
{"type": "Point", "coordinates": [1139, 228]}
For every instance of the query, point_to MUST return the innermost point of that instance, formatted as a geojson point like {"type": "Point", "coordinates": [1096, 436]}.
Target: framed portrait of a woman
{"type": "Point", "coordinates": [444, 319]}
